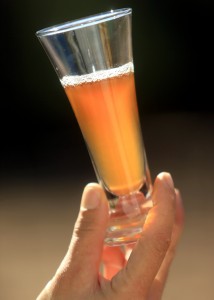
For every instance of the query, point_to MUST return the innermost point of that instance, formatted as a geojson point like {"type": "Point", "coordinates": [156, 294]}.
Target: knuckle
{"type": "Point", "coordinates": [84, 224]}
{"type": "Point", "coordinates": [162, 243]}
{"type": "Point", "coordinates": [159, 244]}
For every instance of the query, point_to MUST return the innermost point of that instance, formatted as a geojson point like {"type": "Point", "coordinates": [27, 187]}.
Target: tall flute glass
{"type": "Point", "coordinates": [93, 59]}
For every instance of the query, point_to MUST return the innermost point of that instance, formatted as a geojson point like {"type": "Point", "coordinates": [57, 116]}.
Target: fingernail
{"type": "Point", "coordinates": [169, 181]}
{"type": "Point", "coordinates": [167, 178]}
{"type": "Point", "coordinates": [91, 197]}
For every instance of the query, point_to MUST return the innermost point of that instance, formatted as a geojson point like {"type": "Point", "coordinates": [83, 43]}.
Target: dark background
{"type": "Point", "coordinates": [44, 163]}
{"type": "Point", "coordinates": [173, 55]}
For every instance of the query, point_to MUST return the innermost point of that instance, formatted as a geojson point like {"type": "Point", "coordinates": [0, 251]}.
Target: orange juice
{"type": "Point", "coordinates": [106, 109]}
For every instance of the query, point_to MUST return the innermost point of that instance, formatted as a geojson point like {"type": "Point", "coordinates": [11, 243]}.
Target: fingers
{"type": "Point", "coordinates": [160, 280]}
{"type": "Point", "coordinates": [84, 254]}
{"type": "Point", "coordinates": [177, 231]}
{"type": "Point", "coordinates": [146, 258]}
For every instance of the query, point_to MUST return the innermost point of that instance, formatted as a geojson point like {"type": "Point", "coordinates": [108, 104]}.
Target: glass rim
{"type": "Point", "coordinates": [84, 22]}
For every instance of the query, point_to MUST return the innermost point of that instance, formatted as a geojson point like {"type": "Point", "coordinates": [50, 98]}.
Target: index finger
{"type": "Point", "coordinates": [146, 258]}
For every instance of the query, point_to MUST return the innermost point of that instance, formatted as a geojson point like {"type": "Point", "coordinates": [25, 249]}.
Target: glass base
{"type": "Point", "coordinates": [127, 217]}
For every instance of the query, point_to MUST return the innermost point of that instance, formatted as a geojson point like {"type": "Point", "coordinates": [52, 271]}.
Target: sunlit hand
{"type": "Point", "coordinates": [133, 272]}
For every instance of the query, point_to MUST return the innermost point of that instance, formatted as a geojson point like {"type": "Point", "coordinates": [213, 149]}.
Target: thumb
{"type": "Point", "coordinates": [85, 250]}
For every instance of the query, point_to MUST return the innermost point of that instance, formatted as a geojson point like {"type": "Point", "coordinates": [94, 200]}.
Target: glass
{"type": "Point", "coordinates": [93, 59]}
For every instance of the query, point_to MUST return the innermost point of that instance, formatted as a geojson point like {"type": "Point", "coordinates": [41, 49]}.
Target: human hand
{"type": "Point", "coordinates": [139, 271]}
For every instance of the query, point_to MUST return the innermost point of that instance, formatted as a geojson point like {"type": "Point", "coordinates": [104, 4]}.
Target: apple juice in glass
{"type": "Point", "coordinates": [93, 60]}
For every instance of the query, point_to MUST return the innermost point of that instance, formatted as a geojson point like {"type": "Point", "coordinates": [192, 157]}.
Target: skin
{"type": "Point", "coordinates": [137, 271]}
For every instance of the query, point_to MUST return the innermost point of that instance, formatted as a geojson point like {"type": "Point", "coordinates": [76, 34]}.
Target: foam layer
{"type": "Point", "coordinates": [97, 76]}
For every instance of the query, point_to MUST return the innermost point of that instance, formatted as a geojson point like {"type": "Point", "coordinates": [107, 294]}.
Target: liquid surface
{"type": "Point", "coordinates": [105, 106]}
